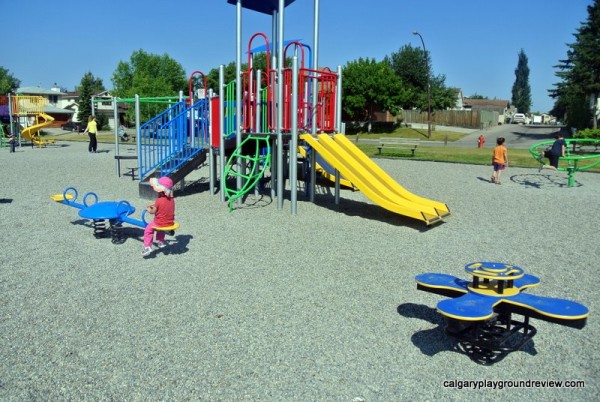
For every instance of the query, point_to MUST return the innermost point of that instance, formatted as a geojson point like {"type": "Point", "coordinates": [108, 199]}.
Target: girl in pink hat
{"type": "Point", "coordinates": [163, 210]}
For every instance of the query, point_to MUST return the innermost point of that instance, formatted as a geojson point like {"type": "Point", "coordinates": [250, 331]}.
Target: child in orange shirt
{"type": "Point", "coordinates": [499, 160]}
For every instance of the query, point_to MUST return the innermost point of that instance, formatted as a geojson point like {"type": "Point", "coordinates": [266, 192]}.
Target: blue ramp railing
{"type": "Point", "coordinates": [171, 138]}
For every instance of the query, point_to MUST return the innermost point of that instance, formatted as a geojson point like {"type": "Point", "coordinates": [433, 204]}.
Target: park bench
{"type": "Point", "coordinates": [586, 147]}
{"type": "Point", "coordinates": [397, 143]}
{"type": "Point", "coordinates": [132, 170]}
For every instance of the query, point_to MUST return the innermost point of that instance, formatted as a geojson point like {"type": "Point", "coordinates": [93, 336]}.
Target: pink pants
{"type": "Point", "coordinates": [149, 235]}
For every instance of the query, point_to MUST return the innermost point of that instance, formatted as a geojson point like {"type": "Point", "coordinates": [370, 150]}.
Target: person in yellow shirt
{"type": "Point", "coordinates": [499, 160]}
{"type": "Point", "coordinates": [91, 130]}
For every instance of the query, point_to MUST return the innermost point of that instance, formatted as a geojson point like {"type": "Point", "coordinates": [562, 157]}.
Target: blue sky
{"type": "Point", "coordinates": [474, 43]}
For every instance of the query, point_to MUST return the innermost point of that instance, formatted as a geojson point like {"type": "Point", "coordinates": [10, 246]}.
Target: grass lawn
{"type": "Point", "coordinates": [102, 137]}
{"type": "Point", "coordinates": [477, 156]}
{"type": "Point", "coordinates": [412, 133]}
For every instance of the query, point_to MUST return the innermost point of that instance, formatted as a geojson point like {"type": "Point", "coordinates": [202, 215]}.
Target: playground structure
{"type": "Point", "coordinates": [581, 154]}
{"type": "Point", "coordinates": [175, 137]}
{"type": "Point", "coordinates": [27, 117]}
{"type": "Point", "coordinates": [115, 212]}
{"type": "Point", "coordinates": [6, 140]}
{"type": "Point", "coordinates": [249, 130]}
{"type": "Point", "coordinates": [480, 313]}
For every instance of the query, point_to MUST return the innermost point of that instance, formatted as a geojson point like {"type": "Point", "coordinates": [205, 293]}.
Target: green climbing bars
{"type": "Point", "coordinates": [251, 169]}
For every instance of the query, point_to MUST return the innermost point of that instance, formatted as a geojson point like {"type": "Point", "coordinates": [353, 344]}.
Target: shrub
{"type": "Point", "coordinates": [589, 133]}
{"type": "Point", "coordinates": [377, 127]}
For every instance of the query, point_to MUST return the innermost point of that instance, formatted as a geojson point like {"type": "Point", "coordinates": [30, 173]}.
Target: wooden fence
{"type": "Point", "coordinates": [476, 119]}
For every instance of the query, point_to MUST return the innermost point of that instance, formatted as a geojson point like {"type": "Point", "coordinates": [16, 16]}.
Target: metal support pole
{"type": "Point", "coordinates": [313, 174]}
{"type": "Point", "coordinates": [280, 178]}
{"type": "Point", "coordinates": [337, 187]}
{"type": "Point", "coordinates": [222, 132]}
{"type": "Point", "coordinates": [116, 118]}
{"type": "Point", "coordinates": [238, 92]}
{"type": "Point", "coordinates": [12, 122]}
{"type": "Point", "coordinates": [294, 140]}
{"type": "Point", "coordinates": [257, 126]}
{"type": "Point", "coordinates": [428, 85]}
{"type": "Point", "coordinates": [338, 102]}
{"type": "Point", "coordinates": [139, 137]}
{"type": "Point", "coordinates": [211, 153]}
{"type": "Point", "coordinates": [315, 67]}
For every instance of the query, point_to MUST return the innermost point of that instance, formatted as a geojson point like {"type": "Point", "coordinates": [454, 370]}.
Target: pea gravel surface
{"type": "Point", "coordinates": [260, 304]}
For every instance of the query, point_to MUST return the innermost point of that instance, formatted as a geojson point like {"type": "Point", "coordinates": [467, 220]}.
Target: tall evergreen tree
{"type": "Point", "coordinates": [88, 86]}
{"type": "Point", "coordinates": [521, 91]}
{"type": "Point", "coordinates": [577, 94]}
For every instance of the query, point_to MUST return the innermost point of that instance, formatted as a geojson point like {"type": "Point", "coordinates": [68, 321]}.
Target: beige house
{"type": "Point", "coordinates": [59, 105]}
{"type": "Point", "coordinates": [64, 106]}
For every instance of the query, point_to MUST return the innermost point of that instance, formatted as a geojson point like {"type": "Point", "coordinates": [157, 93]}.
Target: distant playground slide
{"type": "Point", "coordinates": [32, 133]}
{"type": "Point", "coordinates": [373, 181]}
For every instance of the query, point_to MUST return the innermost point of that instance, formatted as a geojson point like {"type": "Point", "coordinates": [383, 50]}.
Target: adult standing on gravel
{"type": "Point", "coordinates": [91, 130]}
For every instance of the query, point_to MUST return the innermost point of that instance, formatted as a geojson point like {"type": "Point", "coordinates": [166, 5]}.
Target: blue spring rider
{"type": "Point", "coordinates": [480, 313]}
{"type": "Point", "coordinates": [115, 212]}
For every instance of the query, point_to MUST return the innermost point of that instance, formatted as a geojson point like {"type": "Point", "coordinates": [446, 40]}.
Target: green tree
{"type": "Point", "coordinates": [411, 65]}
{"type": "Point", "coordinates": [88, 87]}
{"type": "Point", "coordinates": [149, 75]}
{"type": "Point", "coordinates": [521, 91]}
{"type": "Point", "coordinates": [8, 82]}
{"type": "Point", "coordinates": [477, 96]}
{"type": "Point", "coordinates": [370, 87]}
{"type": "Point", "coordinates": [580, 74]}
{"type": "Point", "coordinates": [212, 78]}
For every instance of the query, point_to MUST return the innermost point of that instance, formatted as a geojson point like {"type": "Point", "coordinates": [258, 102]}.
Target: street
{"type": "Point", "coordinates": [516, 135]}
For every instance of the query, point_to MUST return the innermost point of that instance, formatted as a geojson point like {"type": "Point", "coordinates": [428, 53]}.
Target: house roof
{"type": "Point", "coordinates": [486, 102]}
{"type": "Point", "coordinates": [56, 110]}
{"type": "Point", "coordinates": [36, 91]}
{"type": "Point", "coordinates": [261, 6]}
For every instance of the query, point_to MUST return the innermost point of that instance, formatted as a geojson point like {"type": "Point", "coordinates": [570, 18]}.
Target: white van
{"type": "Point", "coordinates": [519, 118]}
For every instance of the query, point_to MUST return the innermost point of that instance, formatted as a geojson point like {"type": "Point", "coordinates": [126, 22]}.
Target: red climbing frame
{"type": "Point", "coordinates": [326, 96]}
{"type": "Point", "coordinates": [250, 98]}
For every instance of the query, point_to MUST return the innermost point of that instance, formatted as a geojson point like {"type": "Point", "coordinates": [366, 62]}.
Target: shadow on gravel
{"type": "Point", "coordinates": [435, 340]}
{"type": "Point", "coordinates": [485, 180]}
{"type": "Point", "coordinates": [176, 246]}
{"type": "Point", "coordinates": [195, 187]}
{"type": "Point", "coordinates": [541, 180]}
{"type": "Point", "coordinates": [370, 211]}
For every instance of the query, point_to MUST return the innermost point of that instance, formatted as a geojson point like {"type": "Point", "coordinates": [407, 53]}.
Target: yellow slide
{"type": "Point", "coordinates": [323, 172]}
{"type": "Point", "coordinates": [369, 178]}
{"type": "Point", "coordinates": [33, 132]}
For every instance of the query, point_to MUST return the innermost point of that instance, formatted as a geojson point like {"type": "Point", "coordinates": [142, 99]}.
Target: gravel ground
{"type": "Point", "coordinates": [258, 304]}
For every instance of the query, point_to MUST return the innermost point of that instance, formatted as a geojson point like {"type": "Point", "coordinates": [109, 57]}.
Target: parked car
{"type": "Point", "coordinates": [519, 118]}
{"type": "Point", "coordinates": [73, 126]}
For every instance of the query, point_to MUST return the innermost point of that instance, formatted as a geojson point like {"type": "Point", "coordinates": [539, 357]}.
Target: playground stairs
{"type": "Point", "coordinates": [177, 175]}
